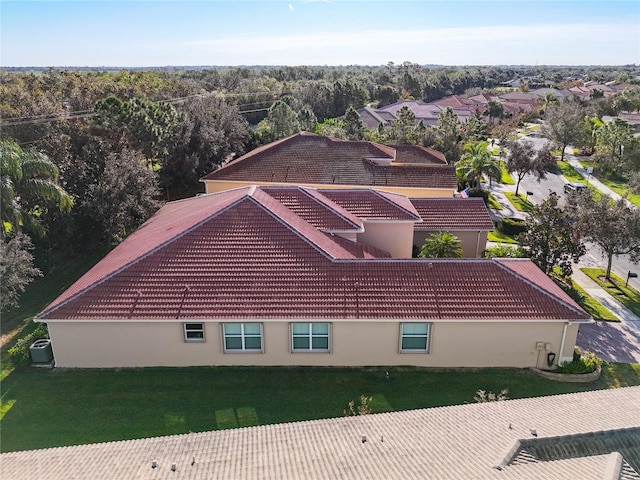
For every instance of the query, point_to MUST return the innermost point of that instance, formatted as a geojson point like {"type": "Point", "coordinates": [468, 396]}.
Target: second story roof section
{"type": "Point", "coordinates": [317, 209]}
{"type": "Point", "coordinates": [312, 160]}
{"type": "Point", "coordinates": [452, 214]}
{"type": "Point", "coordinates": [373, 204]}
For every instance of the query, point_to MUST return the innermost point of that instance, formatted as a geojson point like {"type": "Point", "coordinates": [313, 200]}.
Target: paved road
{"type": "Point", "coordinates": [611, 341]}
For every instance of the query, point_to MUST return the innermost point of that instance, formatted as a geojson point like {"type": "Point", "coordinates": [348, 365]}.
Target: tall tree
{"type": "Point", "coordinates": [27, 180]}
{"type": "Point", "coordinates": [494, 110]}
{"type": "Point", "coordinates": [441, 245]}
{"type": "Point", "coordinates": [524, 160]}
{"type": "Point", "coordinates": [552, 238]}
{"type": "Point", "coordinates": [146, 126]}
{"type": "Point", "coordinates": [403, 129]}
{"type": "Point", "coordinates": [564, 124]}
{"type": "Point", "coordinates": [613, 138]}
{"type": "Point", "coordinates": [476, 162]}
{"type": "Point", "coordinates": [16, 269]}
{"type": "Point", "coordinates": [212, 132]}
{"type": "Point", "coordinates": [126, 195]}
{"type": "Point", "coordinates": [282, 121]}
{"type": "Point", "coordinates": [612, 225]}
{"type": "Point", "coordinates": [449, 136]}
{"type": "Point", "coordinates": [353, 125]}
{"type": "Point", "coordinates": [307, 120]}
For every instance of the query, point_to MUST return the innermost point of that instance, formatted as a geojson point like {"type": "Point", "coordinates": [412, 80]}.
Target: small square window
{"type": "Point", "coordinates": [193, 332]}
{"type": "Point", "coordinates": [414, 337]}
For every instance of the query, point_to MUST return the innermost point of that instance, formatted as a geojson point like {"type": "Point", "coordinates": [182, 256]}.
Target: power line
{"type": "Point", "coordinates": [80, 114]}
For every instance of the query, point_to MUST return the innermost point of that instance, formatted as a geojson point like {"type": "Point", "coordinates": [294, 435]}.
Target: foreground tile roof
{"type": "Point", "coordinates": [452, 214]}
{"type": "Point", "coordinates": [462, 442]}
{"type": "Point", "coordinates": [306, 158]}
{"type": "Point", "coordinates": [243, 254]}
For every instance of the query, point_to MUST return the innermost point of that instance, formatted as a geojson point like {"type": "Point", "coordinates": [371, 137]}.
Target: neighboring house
{"type": "Point", "coordinates": [466, 218]}
{"type": "Point", "coordinates": [316, 161]}
{"type": "Point", "coordinates": [255, 276]}
{"type": "Point", "coordinates": [591, 435]}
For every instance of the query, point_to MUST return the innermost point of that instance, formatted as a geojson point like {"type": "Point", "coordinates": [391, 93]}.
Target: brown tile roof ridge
{"type": "Point", "coordinates": [536, 278]}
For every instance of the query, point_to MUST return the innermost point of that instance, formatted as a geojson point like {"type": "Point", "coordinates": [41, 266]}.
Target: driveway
{"type": "Point", "coordinates": [611, 341]}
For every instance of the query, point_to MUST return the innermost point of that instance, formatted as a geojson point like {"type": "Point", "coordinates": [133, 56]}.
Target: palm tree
{"type": "Point", "coordinates": [476, 162]}
{"type": "Point", "coordinates": [27, 178]}
{"type": "Point", "coordinates": [441, 245]}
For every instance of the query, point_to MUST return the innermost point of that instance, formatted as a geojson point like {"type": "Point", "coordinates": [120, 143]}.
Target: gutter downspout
{"type": "Point", "coordinates": [564, 336]}
{"type": "Point", "coordinates": [478, 245]}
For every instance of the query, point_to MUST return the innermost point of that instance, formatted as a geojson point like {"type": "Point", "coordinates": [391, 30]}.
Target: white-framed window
{"type": "Point", "coordinates": [242, 337]}
{"type": "Point", "coordinates": [193, 332]}
{"type": "Point", "coordinates": [414, 337]}
{"type": "Point", "coordinates": [310, 337]}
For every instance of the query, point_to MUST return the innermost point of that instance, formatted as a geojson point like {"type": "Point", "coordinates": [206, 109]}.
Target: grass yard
{"type": "Point", "coordinates": [44, 408]}
{"type": "Point", "coordinates": [506, 178]}
{"type": "Point", "coordinates": [592, 306]}
{"type": "Point", "coordinates": [520, 202]}
{"type": "Point", "coordinates": [569, 172]}
{"type": "Point", "coordinates": [498, 237]}
{"type": "Point", "coordinates": [628, 296]}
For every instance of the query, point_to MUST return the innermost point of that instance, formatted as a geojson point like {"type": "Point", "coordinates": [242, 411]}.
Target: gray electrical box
{"type": "Point", "coordinates": [41, 351]}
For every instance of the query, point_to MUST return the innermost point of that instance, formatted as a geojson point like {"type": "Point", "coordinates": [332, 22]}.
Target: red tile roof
{"type": "Point", "coordinates": [374, 204]}
{"type": "Point", "coordinates": [316, 208]}
{"type": "Point", "coordinates": [241, 254]}
{"type": "Point", "coordinates": [306, 158]}
{"type": "Point", "coordinates": [452, 214]}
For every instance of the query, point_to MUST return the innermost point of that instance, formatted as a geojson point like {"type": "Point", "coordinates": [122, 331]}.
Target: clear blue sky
{"type": "Point", "coordinates": [314, 32]}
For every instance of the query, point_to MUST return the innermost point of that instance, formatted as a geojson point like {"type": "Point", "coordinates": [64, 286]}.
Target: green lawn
{"type": "Point", "coordinates": [18, 322]}
{"type": "Point", "coordinates": [506, 178]}
{"type": "Point", "coordinates": [628, 296]}
{"type": "Point", "coordinates": [498, 237]}
{"type": "Point", "coordinates": [569, 172]}
{"type": "Point", "coordinates": [519, 202]}
{"type": "Point", "coordinates": [592, 306]}
{"type": "Point", "coordinates": [44, 408]}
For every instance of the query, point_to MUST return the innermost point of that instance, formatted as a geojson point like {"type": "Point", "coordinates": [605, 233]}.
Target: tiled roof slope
{"type": "Point", "coordinates": [459, 442]}
{"type": "Point", "coordinates": [452, 214]}
{"type": "Point", "coordinates": [374, 204]}
{"type": "Point", "coordinates": [306, 158]}
{"type": "Point", "coordinates": [248, 256]}
{"type": "Point", "coordinates": [316, 208]}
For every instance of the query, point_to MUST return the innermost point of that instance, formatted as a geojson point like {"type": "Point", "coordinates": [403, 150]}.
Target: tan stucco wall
{"type": "Point", "coordinates": [394, 237]}
{"type": "Point", "coordinates": [213, 186]}
{"type": "Point", "coordinates": [464, 344]}
{"type": "Point", "coordinates": [473, 243]}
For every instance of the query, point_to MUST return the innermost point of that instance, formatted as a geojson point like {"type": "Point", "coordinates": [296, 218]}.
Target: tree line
{"type": "Point", "coordinates": [87, 156]}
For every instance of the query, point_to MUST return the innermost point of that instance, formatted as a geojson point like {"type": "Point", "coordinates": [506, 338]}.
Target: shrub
{"type": "Point", "coordinates": [511, 226]}
{"type": "Point", "coordinates": [19, 353]}
{"type": "Point", "coordinates": [482, 396]}
{"type": "Point", "coordinates": [364, 408]}
{"type": "Point", "coordinates": [478, 192]}
{"type": "Point", "coordinates": [586, 362]}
